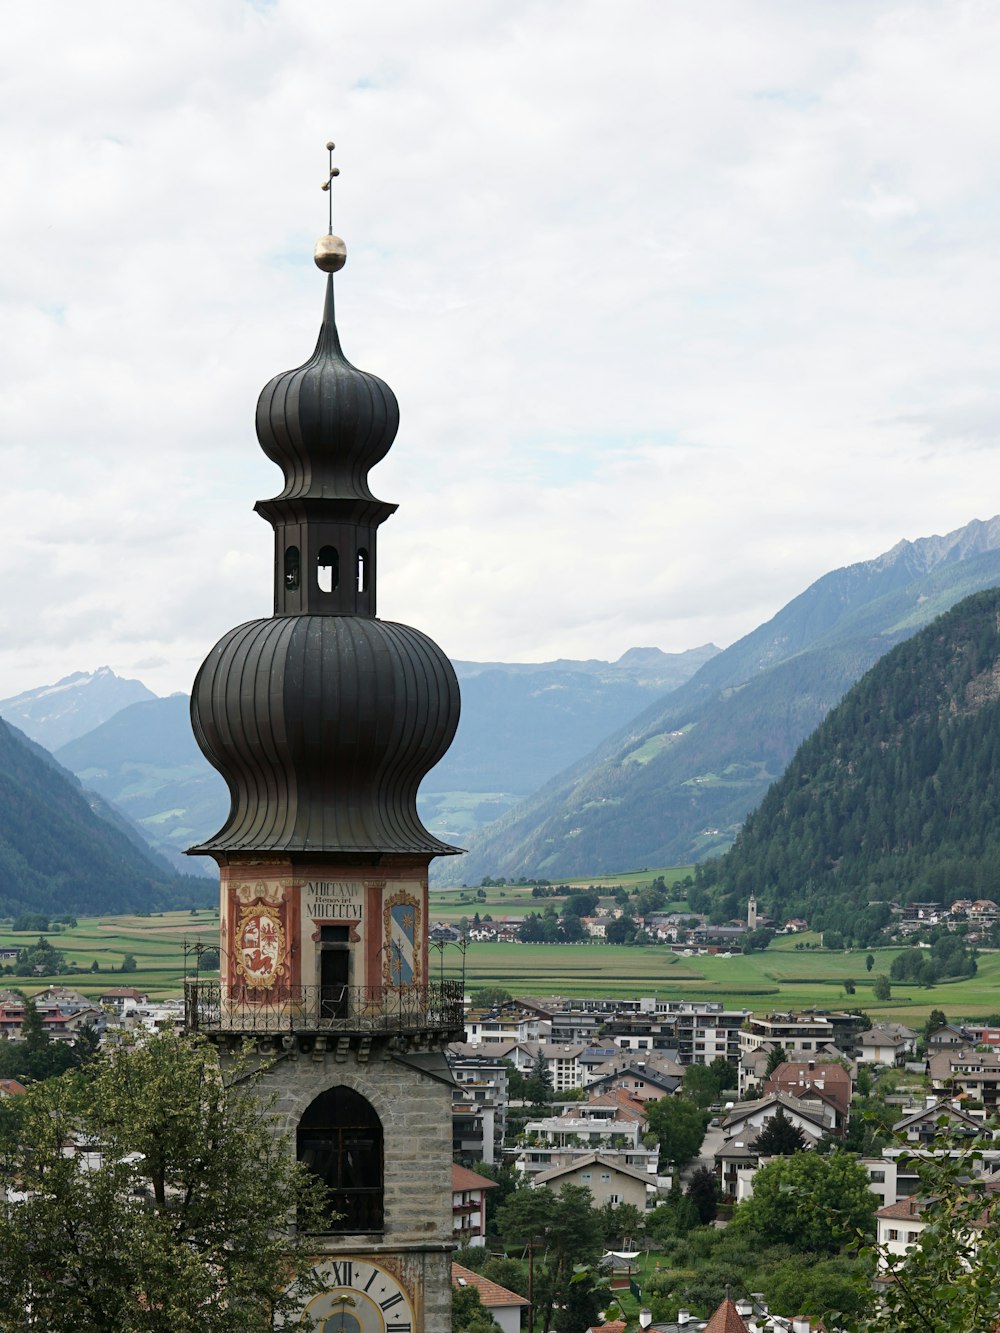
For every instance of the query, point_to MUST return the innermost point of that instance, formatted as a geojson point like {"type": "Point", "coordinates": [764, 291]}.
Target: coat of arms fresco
{"type": "Point", "coordinates": [260, 946]}
{"type": "Point", "coordinates": [402, 931]}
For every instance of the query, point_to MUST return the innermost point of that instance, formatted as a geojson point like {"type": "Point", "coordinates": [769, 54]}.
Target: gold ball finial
{"type": "Point", "coordinates": [330, 254]}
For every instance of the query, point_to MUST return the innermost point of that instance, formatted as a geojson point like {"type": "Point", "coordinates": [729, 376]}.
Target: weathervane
{"type": "Point", "coordinates": [330, 254]}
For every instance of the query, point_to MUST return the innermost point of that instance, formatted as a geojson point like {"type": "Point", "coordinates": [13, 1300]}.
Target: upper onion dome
{"type": "Point", "coordinates": [326, 423]}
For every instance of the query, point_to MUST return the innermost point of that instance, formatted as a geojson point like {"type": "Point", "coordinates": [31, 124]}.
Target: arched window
{"type": "Point", "coordinates": [362, 569]}
{"type": "Point", "coordinates": [340, 1139]}
{"type": "Point", "coordinates": [328, 569]}
{"type": "Point", "coordinates": [291, 568]}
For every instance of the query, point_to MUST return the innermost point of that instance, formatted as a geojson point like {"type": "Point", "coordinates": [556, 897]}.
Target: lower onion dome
{"type": "Point", "coordinates": [323, 727]}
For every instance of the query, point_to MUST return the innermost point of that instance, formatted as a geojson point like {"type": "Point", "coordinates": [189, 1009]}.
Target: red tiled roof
{"type": "Point", "coordinates": [616, 1326]}
{"type": "Point", "coordinates": [727, 1319]}
{"type": "Point", "coordinates": [11, 1088]}
{"type": "Point", "coordinates": [490, 1293]}
{"type": "Point", "coordinates": [464, 1179]}
{"type": "Point", "coordinates": [904, 1208]}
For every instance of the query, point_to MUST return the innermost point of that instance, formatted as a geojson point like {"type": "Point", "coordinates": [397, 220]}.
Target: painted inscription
{"type": "Point", "coordinates": [333, 898]}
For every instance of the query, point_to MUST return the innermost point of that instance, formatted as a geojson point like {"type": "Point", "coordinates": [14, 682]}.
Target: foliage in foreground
{"type": "Point", "coordinates": [950, 1279]}
{"type": "Point", "coordinates": [170, 1214]}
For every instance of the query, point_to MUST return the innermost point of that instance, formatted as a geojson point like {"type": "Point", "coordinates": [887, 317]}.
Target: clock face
{"type": "Point", "coordinates": [361, 1298]}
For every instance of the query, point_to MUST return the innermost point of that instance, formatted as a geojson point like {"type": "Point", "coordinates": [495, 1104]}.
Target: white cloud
{"type": "Point", "coordinates": [684, 305]}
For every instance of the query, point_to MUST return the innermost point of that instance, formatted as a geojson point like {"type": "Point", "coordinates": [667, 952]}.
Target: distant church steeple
{"type": "Point", "coordinates": [752, 913]}
{"type": "Point", "coordinates": [323, 721]}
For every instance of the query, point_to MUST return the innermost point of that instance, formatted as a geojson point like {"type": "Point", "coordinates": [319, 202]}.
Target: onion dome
{"type": "Point", "coordinates": [323, 727]}
{"type": "Point", "coordinates": [326, 423]}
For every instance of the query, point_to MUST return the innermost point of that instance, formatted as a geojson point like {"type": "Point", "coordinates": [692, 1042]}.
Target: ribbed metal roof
{"type": "Point", "coordinates": [326, 423]}
{"type": "Point", "coordinates": [323, 727]}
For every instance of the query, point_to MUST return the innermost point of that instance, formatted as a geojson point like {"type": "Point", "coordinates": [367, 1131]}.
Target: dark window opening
{"type": "Point", "coordinates": [334, 978]}
{"type": "Point", "coordinates": [334, 934]}
{"type": "Point", "coordinates": [292, 568]}
{"type": "Point", "coordinates": [328, 569]}
{"type": "Point", "coordinates": [340, 1140]}
{"type": "Point", "coordinates": [362, 570]}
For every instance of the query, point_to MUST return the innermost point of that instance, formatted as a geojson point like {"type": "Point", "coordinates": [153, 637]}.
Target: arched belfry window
{"type": "Point", "coordinates": [340, 1139]}
{"type": "Point", "coordinates": [328, 569]}
{"type": "Point", "coordinates": [362, 570]}
{"type": "Point", "coordinates": [291, 568]}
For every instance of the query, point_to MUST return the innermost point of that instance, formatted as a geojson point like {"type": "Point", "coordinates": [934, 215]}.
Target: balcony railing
{"type": "Point", "coordinates": [211, 1007]}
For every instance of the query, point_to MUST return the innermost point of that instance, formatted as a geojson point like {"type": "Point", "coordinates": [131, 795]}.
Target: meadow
{"type": "Point", "coordinates": [156, 942]}
{"type": "Point", "coordinates": [780, 978]}
{"type": "Point", "coordinates": [783, 977]}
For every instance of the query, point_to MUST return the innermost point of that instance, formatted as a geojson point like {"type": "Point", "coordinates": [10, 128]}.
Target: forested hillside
{"type": "Point", "coordinates": [58, 855]}
{"type": "Point", "coordinates": [896, 796]}
{"type": "Point", "coordinates": [676, 783]}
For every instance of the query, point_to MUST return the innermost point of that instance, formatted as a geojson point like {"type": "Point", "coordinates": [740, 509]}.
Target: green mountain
{"type": "Point", "coordinates": [676, 783]}
{"type": "Point", "coordinates": [58, 853]}
{"type": "Point", "coordinates": [896, 796]}
{"type": "Point", "coordinates": [146, 761]}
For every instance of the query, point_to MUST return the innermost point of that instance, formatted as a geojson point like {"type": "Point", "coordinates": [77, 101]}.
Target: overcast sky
{"type": "Point", "coordinates": [684, 305]}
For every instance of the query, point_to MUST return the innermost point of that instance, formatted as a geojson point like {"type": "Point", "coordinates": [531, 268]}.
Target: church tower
{"type": "Point", "coordinates": [323, 720]}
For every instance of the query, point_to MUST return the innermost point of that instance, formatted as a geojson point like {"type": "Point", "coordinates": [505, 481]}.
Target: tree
{"type": "Point", "coordinates": [490, 997]}
{"type": "Point", "coordinates": [935, 1019]}
{"type": "Point", "coordinates": [580, 1303]}
{"type": "Point", "coordinates": [679, 1127]}
{"type": "Point", "coordinates": [569, 1227]}
{"type": "Point", "coordinates": [703, 1191]}
{"type": "Point", "coordinates": [701, 1085]}
{"type": "Point", "coordinates": [36, 1056]}
{"type": "Point", "coordinates": [818, 1288]}
{"type": "Point", "coordinates": [181, 1222]}
{"type": "Point", "coordinates": [129, 964]}
{"type": "Point", "coordinates": [725, 1073]}
{"type": "Point", "coordinates": [621, 1221]}
{"type": "Point", "coordinates": [507, 1178]}
{"type": "Point", "coordinates": [776, 1058]}
{"type": "Point", "coordinates": [468, 1314]}
{"type": "Point", "coordinates": [810, 1201]}
{"type": "Point", "coordinates": [881, 988]}
{"type": "Point", "coordinates": [779, 1137]}
{"type": "Point", "coordinates": [950, 1279]}
{"type": "Point", "coordinates": [620, 931]}
{"type": "Point", "coordinates": [869, 962]}
{"type": "Point", "coordinates": [538, 1086]}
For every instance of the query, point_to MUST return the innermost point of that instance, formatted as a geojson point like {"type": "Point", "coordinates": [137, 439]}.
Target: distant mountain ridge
{"type": "Point", "coordinates": [58, 854]}
{"type": "Point", "coordinates": [55, 714]}
{"type": "Point", "coordinates": [895, 796]}
{"type": "Point", "coordinates": [676, 782]}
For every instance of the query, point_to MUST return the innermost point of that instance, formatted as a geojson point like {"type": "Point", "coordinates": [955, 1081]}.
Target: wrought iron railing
{"type": "Point", "coordinates": [210, 1006]}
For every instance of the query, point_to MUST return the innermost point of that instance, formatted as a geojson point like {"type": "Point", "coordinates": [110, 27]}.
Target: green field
{"type": "Point", "coordinates": [156, 942]}
{"type": "Point", "coordinates": [783, 977]}
{"type": "Point", "coordinates": [448, 904]}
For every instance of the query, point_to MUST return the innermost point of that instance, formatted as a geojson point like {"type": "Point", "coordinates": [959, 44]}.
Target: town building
{"type": "Point", "coordinates": [468, 1205]}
